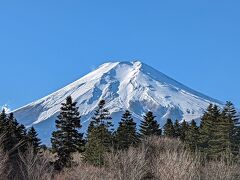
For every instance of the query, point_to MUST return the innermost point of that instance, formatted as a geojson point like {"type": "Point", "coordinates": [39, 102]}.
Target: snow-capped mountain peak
{"type": "Point", "coordinates": [124, 85]}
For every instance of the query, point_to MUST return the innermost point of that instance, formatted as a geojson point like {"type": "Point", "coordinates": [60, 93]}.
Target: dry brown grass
{"type": "Point", "coordinates": [221, 170]}
{"type": "Point", "coordinates": [34, 166]}
{"type": "Point", "coordinates": [156, 158]}
{"type": "Point", "coordinates": [131, 164]}
{"type": "Point", "coordinates": [170, 160]}
{"type": "Point", "coordinates": [84, 172]}
{"type": "Point", "coordinates": [176, 166]}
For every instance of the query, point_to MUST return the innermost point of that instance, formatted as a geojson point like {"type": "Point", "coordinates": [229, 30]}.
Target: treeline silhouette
{"type": "Point", "coordinates": [217, 137]}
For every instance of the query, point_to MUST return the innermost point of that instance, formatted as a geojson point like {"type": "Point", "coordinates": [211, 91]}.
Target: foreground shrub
{"type": "Point", "coordinates": [34, 166]}
{"type": "Point", "coordinates": [84, 172]}
{"type": "Point", "coordinates": [221, 170]}
{"type": "Point", "coordinates": [131, 164]}
{"type": "Point", "coordinates": [156, 158]}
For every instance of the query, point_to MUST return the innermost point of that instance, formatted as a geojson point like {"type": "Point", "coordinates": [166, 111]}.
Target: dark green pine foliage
{"type": "Point", "coordinates": [10, 138]}
{"type": "Point", "coordinates": [192, 136]}
{"type": "Point", "coordinates": [228, 129]}
{"type": "Point", "coordinates": [177, 129]}
{"type": "Point", "coordinates": [12, 132]}
{"type": "Point", "coordinates": [169, 130]}
{"type": "Point", "coordinates": [208, 139]}
{"type": "Point", "coordinates": [66, 139]}
{"type": "Point", "coordinates": [33, 139]}
{"type": "Point", "coordinates": [99, 136]}
{"type": "Point", "coordinates": [90, 128]}
{"type": "Point", "coordinates": [126, 134]}
{"type": "Point", "coordinates": [14, 141]}
{"type": "Point", "coordinates": [231, 112]}
{"type": "Point", "coordinates": [15, 135]}
{"type": "Point", "coordinates": [206, 128]}
{"type": "Point", "coordinates": [3, 119]}
{"type": "Point", "coordinates": [223, 133]}
{"type": "Point", "coordinates": [149, 126]}
{"type": "Point", "coordinates": [183, 130]}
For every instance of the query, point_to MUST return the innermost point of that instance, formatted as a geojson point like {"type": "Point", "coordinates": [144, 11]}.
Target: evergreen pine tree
{"type": "Point", "coordinates": [33, 139]}
{"type": "Point", "coordinates": [206, 128]}
{"type": "Point", "coordinates": [99, 136]}
{"type": "Point", "coordinates": [228, 139]}
{"type": "Point", "coordinates": [15, 135]}
{"type": "Point", "coordinates": [222, 137]}
{"type": "Point", "coordinates": [177, 129]}
{"type": "Point", "coordinates": [3, 117]}
{"type": "Point", "coordinates": [230, 112]}
{"type": "Point", "coordinates": [169, 130]}
{"type": "Point", "coordinates": [208, 131]}
{"type": "Point", "coordinates": [11, 139]}
{"type": "Point", "coordinates": [149, 126]}
{"type": "Point", "coordinates": [14, 141]}
{"type": "Point", "coordinates": [183, 130]}
{"type": "Point", "coordinates": [66, 139]}
{"type": "Point", "coordinates": [90, 128]}
{"type": "Point", "coordinates": [192, 136]}
{"type": "Point", "coordinates": [126, 134]}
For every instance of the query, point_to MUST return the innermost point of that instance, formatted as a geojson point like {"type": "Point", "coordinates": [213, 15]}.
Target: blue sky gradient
{"type": "Point", "coordinates": [44, 45]}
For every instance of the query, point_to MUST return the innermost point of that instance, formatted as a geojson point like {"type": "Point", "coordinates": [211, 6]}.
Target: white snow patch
{"type": "Point", "coordinates": [6, 108]}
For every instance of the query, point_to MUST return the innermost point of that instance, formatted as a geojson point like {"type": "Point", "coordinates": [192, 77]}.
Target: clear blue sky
{"type": "Point", "coordinates": [47, 44]}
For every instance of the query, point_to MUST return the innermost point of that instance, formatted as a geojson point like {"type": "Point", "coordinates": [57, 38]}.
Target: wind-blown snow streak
{"type": "Point", "coordinates": [124, 85]}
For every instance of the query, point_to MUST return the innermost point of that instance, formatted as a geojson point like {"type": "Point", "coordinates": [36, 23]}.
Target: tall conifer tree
{"type": "Point", "coordinates": [15, 135]}
{"type": "Point", "coordinates": [99, 137]}
{"type": "Point", "coordinates": [177, 129]}
{"type": "Point", "coordinates": [66, 139]}
{"type": "Point", "coordinates": [169, 130]}
{"type": "Point", "coordinates": [228, 129]}
{"type": "Point", "coordinates": [3, 119]}
{"type": "Point", "coordinates": [126, 134]}
{"type": "Point", "coordinates": [183, 130]}
{"type": "Point", "coordinates": [149, 126]}
{"type": "Point", "coordinates": [208, 131]}
{"type": "Point", "coordinates": [33, 139]}
{"type": "Point", "coordinates": [192, 136]}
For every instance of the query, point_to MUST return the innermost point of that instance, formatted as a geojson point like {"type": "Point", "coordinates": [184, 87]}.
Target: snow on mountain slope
{"type": "Point", "coordinates": [124, 85]}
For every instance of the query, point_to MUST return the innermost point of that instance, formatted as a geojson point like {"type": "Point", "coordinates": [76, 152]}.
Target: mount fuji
{"type": "Point", "coordinates": [123, 85]}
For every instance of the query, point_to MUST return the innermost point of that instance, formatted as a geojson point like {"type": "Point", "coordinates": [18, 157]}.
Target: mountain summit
{"type": "Point", "coordinates": [124, 85]}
